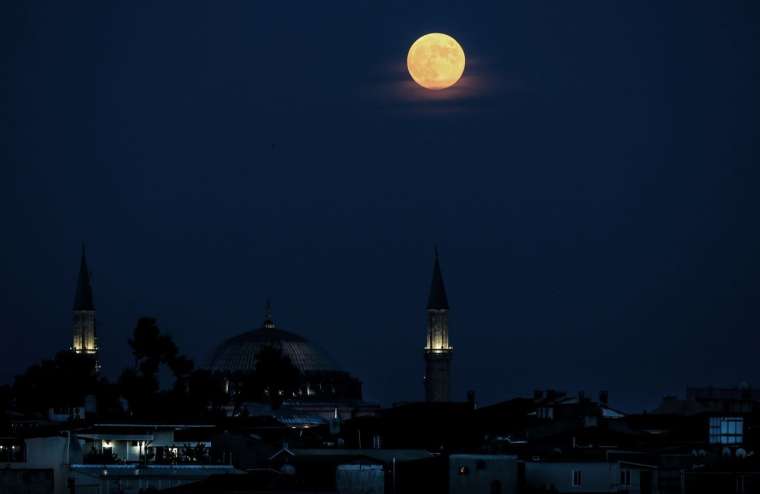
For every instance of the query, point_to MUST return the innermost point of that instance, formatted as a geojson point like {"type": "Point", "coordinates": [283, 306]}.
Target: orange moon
{"type": "Point", "coordinates": [435, 61]}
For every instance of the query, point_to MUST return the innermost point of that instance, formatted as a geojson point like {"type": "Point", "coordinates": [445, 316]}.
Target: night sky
{"type": "Point", "coordinates": [591, 183]}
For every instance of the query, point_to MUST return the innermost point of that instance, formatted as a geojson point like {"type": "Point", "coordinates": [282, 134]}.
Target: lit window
{"type": "Point", "coordinates": [625, 477]}
{"type": "Point", "coordinates": [577, 479]}
{"type": "Point", "coordinates": [726, 430]}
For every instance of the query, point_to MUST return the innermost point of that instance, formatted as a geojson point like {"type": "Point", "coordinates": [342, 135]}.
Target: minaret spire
{"type": "Point", "coordinates": [437, 298]}
{"type": "Point", "coordinates": [438, 351]}
{"type": "Point", "coordinates": [84, 336]}
{"type": "Point", "coordinates": [83, 298]}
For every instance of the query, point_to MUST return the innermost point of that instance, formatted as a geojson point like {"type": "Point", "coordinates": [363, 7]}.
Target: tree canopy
{"type": "Point", "coordinates": [61, 382]}
{"type": "Point", "coordinates": [69, 378]}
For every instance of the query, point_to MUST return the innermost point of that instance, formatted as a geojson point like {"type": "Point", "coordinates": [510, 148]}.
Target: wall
{"type": "Point", "coordinates": [437, 375]}
{"type": "Point", "coordinates": [26, 481]}
{"type": "Point", "coordinates": [360, 479]}
{"type": "Point", "coordinates": [483, 474]}
{"type": "Point", "coordinates": [51, 453]}
{"type": "Point", "coordinates": [596, 476]}
{"type": "Point", "coordinates": [131, 479]}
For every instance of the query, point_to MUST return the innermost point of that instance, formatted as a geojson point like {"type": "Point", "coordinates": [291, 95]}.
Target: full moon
{"type": "Point", "coordinates": [435, 61]}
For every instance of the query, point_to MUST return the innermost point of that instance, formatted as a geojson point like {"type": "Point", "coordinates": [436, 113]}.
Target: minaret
{"type": "Point", "coordinates": [85, 340]}
{"type": "Point", "coordinates": [437, 349]}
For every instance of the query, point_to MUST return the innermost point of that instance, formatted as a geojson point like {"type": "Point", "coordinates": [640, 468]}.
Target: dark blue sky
{"type": "Point", "coordinates": [591, 184]}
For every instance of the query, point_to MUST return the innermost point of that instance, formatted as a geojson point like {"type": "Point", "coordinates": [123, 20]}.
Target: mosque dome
{"type": "Point", "coordinates": [239, 352]}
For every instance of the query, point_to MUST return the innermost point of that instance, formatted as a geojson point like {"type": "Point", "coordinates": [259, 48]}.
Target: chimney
{"type": "Point", "coordinates": [471, 399]}
{"type": "Point", "coordinates": [604, 397]}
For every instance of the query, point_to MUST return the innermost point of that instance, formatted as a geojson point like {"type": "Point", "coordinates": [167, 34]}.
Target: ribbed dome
{"type": "Point", "coordinates": [239, 352]}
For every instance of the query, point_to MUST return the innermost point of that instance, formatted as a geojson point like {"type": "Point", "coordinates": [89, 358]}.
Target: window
{"type": "Point", "coordinates": [463, 470]}
{"type": "Point", "coordinates": [546, 413]}
{"type": "Point", "coordinates": [625, 477]}
{"type": "Point", "coordinates": [726, 430]}
{"type": "Point", "coordinates": [577, 478]}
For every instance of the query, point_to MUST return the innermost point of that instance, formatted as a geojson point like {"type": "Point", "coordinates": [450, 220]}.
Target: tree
{"type": "Point", "coordinates": [195, 392]}
{"type": "Point", "coordinates": [6, 400]}
{"type": "Point", "coordinates": [140, 391]}
{"type": "Point", "coordinates": [206, 392]}
{"type": "Point", "coordinates": [140, 385]}
{"type": "Point", "coordinates": [151, 348]}
{"type": "Point", "coordinates": [63, 381]}
{"type": "Point", "coordinates": [197, 453]}
{"type": "Point", "coordinates": [278, 378]}
{"type": "Point", "coordinates": [242, 387]}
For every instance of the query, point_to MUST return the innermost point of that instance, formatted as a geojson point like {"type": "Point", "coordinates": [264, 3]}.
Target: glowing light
{"type": "Point", "coordinates": [436, 61]}
{"type": "Point", "coordinates": [438, 350]}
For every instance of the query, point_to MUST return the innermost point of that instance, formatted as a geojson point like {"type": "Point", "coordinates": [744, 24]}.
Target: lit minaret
{"type": "Point", "coordinates": [85, 340]}
{"type": "Point", "coordinates": [437, 349]}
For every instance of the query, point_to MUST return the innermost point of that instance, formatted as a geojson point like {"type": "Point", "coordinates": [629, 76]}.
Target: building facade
{"type": "Point", "coordinates": [438, 350]}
